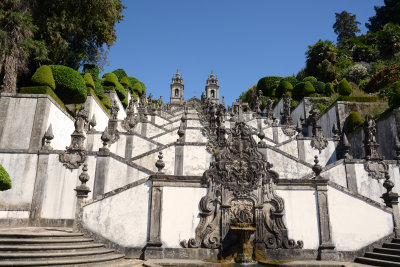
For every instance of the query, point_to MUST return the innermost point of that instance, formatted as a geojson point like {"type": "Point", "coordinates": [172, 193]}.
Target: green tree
{"type": "Point", "coordinates": [76, 32]}
{"type": "Point", "coordinates": [17, 44]}
{"type": "Point", "coordinates": [389, 13]}
{"type": "Point", "coordinates": [315, 56]}
{"type": "Point", "coordinates": [345, 26]}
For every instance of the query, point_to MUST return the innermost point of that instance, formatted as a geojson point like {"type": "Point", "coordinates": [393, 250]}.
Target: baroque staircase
{"type": "Point", "coordinates": [388, 255]}
{"type": "Point", "coordinates": [52, 246]}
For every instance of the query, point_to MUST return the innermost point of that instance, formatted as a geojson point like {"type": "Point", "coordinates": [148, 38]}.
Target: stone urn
{"type": "Point", "coordinates": [243, 231]}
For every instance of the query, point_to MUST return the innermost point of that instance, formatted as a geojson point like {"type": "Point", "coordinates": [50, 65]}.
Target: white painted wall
{"type": "Point", "coordinates": [149, 161]}
{"type": "Point", "coordinates": [18, 125]}
{"type": "Point", "coordinates": [368, 186]}
{"type": "Point", "coordinates": [196, 160]}
{"type": "Point", "coordinates": [301, 217]}
{"type": "Point", "coordinates": [327, 155]}
{"type": "Point", "coordinates": [100, 115]}
{"type": "Point", "coordinates": [121, 218]}
{"type": "Point", "coordinates": [141, 146]}
{"type": "Point", "coordinates": [290, 148]}
{"type": "Point", "coordinates": [59, 197]}
{"type": "Point", "coordinates": [160, 121]}
{"type": "Point", "coordinates": [327, 120]}
{"type": "Point", "coordinates": [336, 174]}
{"type": "Point", "coordinates": [193, 123]}
{"type": "Point", "coordinates": [283, 137]}
{"type": "Point", "coordinates": [194, 136]}
{"type": "Point", "coordinates": [354, 222]}
{"type": "Point", "coordinates": [286, 167]}
{"type": "Point", "coordinates": [62, 125]}
{"type": "Point", "coordinates": [268, 132]}
{"type": "Point", "coordinates": [167, 138]}
{"type": "Point", "coordinates": [22, 171]}
{"type": "Point", "coordinates": [120, 174]}
{"type": "Point", "coordinates": [180, 214]}
{"type": "Point", "coordinates": [153, 130]}
{"type": "Point", "coordinates": [14, 214]}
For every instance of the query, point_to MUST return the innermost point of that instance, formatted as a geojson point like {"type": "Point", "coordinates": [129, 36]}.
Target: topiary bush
{"type": "Point", "coordinates": [106, 102]}
{"type": "Point", "coordinates": [110, 79]}
{"type": "Point", "coordinates": [137, 88]}
{"type": "Point", "coordinates": [125, 83]}
{"type": "Point", "coordinates": [44, 76]}
{"type": "Point", "coordinates": [5, 181]}
{"type": "Point", "coordinates": [344, 87]}
{"type": "Point", "coordinates": [120, 73]}
{"type": "Point", "coordinates": [329, 90]}
{"type": "Point", "coordinates": [88, 80]}
{"type": "Point", "coordinates": [354, 120]}
{"type": "Point", "coordinates": [283, 88]}
{"type": "Point", "coordinates": [70, 86]}
{"type": "Point", "coordinates": [308, 89]}
{"type": "Point", "coordinates": [120, 91]}
{"type": "Point", "coordinates": [94, 71]}
{"type": "Point", "coordinates": [394, 100]}
{"type": "Point", "coordinates": [143, 87]}
{"type": "Point", "coordinates": [266, 84]}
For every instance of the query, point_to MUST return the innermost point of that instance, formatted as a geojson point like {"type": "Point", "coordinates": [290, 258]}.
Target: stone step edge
{"type": "Point", "coordinates": [376, 255]}
{"type": "Point", "coordinates": [51, 247]}
{"type": "Point", "coordinates": [390, 251]}
{"type": "Point", "coordinates": [54, 254]}
{"type": "Point", "coordinates": [377, 262]}
{"type": "Point", "coordinates": [63, 261]}
{"type": "Point", "coordinates": [35, 235]}
{"type": "Point", "coordinates": [30, 241]}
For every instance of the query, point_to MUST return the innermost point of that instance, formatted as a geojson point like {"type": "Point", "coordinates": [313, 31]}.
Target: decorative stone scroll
{"type": "Point", "coordinates": [75, 154]}
{"type": "Point", "coordinates": [318, 140]}
{"type": "Point", "coordinates": [241, 191]}
{"type": "Point", "coordinates": [286, 119]}
{"type": "Point", "coordinates": [374, 165]}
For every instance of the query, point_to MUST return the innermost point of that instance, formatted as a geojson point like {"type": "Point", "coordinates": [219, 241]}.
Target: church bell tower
{"type": "Point", "coordinates": [212, 88]}
{"type": "Point", "coordinates": [177, 89]}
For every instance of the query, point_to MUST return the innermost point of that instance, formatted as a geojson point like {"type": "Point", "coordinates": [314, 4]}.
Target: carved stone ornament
{"type": "Point", "coordinates": [241, 190]}
{"type": "Point", "coordinates": [131, 119]}
{"type": "Point", "coordinates": [376, 168]}
{"type": "Point", "coordinates": [111, 129]}
{"type": "Point", "coordinates": [75, 154]}
{"type": "Point", "coordinates": [286, 119]}
{"type": "Point", "coordinates": [318, 140]}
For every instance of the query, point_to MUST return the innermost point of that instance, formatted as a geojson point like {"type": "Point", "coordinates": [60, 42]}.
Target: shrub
{"type": "Point", "coordinates": [344, 88]}
{"type": "Point", "coordinates": [143, 88]}
{"type": "Point", "coordinates": [5, 181]}
{"type": "Point", "coordinates": [319, 87]}
{"type": "Point", "coordinates": [124, 102]}
{"type": "Point", "coordinates": [120, 73]}
{"type": "Point", "coordinates": [265, 84]}
{"type": "Point", "coordinates": [106, 102]}
{"type": "Point", "coordinates": [42, 90]}
{"type": "Point", "coordinates": [394, 100]}
{"type": "Point", "coordinates": [110, 79]}
{"type": "Point", "coordinates": [354, 120]}
{"type": "Point", "coordinates": [291, 79]}
{"type": "Point", "coordinates": [297, 92]}
{"type": "Point", "coordinates": [329, 89]}
{"type": "Point", "coordinates": [310, 79]}
{"type": "Point", "coordinates": [137, 88]}
{"type": "Point", "coordinates": [308, 89]}
{"type": "Point", "coordinates": [44, 76]}
{"type": "Point", "coordinates": [70, 86]}
{"type": "Point", "coordinates": [94, 71]}
{"type": "Point", "coordinates": [383, 78]}
{"type": "Point", "coordinates": [125, 83]}
{"type": "Point", "coordinates": [372, 98]}
{"type": "Point", "coordinates": [283, 88]}
{"type": "Point", "coordinates": [88, 80]}
{"type": "Point", "coordinates": [357, 72]}
{"type": "Point", "coordinates": [98, 88]}
{"type": "Point", "coordinates": [120, 91]}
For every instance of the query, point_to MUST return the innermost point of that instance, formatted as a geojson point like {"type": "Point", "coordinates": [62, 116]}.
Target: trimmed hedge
{"type": "Point", "coordinates": [120, 73]}
{"type": "Point", "coordinates": [125, 102]}
{"type": "Point", "coordinates": [106, 102]}
{"type": "Point", "coordinates": [283, 88]}
{"type": "Point", "coordinates": [89, 80]}
{"type": "Point", "coordinates": [5, 181]}
{"type": "Point", "coordinates": [308, 89]}
{"type": "Point", "coordinates": [95, 71]}
{"type": "Point", "coordinates": [44, 76]}
{"type": "Point", "coordinates": [137, 88]}
{"type": "Point", "coordinates": [372, 98]}
{"type": "Point", "coordinates": [354, 120]}
{"type": "Point", "coordinates": [42, 90]}
{"type": "Point", "coordinates": [70, 86]}
{"type": "Point", "coordinates": [110, 79]}
{"type": "Point", "coordinates": [266, 84]}
{"type": "Point", "coordinates": [394, 100]}
{"type": "Point", "coordinates": [125, 83]}
{"type": "Point", "coordinates": [329, 90]}
{"type": "Point", "coordinates": [344, 88]}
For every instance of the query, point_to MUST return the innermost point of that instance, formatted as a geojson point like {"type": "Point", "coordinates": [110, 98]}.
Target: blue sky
{"type": "Point", "coordinates": [241, 41]}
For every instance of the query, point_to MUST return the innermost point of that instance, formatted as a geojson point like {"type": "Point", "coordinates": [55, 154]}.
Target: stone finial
{"type": "Point", "coordinates": [261, 143]}
{"type": "Point", "coordinates": [105, 137]}
{"type": "Point", "coordinates": [317, 169]}
{"type": "Point", "coordinates": [346, 147]}
{"type": "Point", "coordinates": [160, 163]}
{"type": "Point", "coordinates": [389, 197]}
{"type": "Point", "coordinates": [83, 190]}
{"type": "Point", "coordinates": [92, 123]}
{"type": "Point", "coordinates": [48, 136]}
{"type": "Point", "coordinates": [397, 148]}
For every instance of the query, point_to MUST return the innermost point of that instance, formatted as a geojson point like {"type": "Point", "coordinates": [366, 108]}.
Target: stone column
{"type": "Point", "coordinates": [102, 167]}
{"type": "Point", "coordinates": [129, 146]}
{"type": "Point", "coordinates": [40, 184]}
{"type": "Point", "coordinates": [326, 247]}
{"type": "Point", "coordinates": [154, 248]}
{"type": "Point", "coordinates": [351, 175]}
